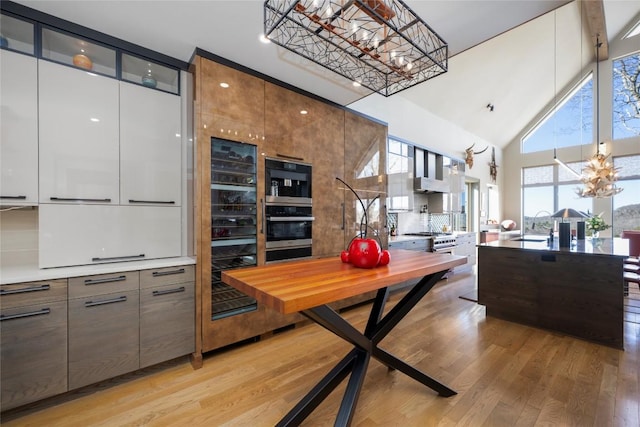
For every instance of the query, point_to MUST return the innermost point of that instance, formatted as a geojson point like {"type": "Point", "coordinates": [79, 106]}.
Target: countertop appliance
{"type": "Point", "coordinates": [438, 242]}
{"type": "Point", "coordinates": [287, 182]}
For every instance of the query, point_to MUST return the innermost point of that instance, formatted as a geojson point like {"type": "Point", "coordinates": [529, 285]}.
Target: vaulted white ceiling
{"type": "Point", "coordinates": [500, 53]}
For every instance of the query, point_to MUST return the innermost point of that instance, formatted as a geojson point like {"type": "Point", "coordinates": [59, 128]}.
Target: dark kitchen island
{"type": "Point", "coordinates": [576, 290]}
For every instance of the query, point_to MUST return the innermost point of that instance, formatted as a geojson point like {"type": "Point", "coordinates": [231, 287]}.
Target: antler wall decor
{"type": "Point", "coordinates": [469, 153]}
{"type": "Point", "coordinates": [493, 168]}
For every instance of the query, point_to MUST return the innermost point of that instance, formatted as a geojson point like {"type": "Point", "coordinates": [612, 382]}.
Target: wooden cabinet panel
{"type": "Point", "coordinates": [578, 294]}
{"type": "Point", "coordinates": [235, 112]}
{"type": "Point", "coordinates": [101, 284]}
{"type": "Point", "coordinates": [365, 153]}
{"type": "Point", "coordinates": [33, 352]}
{"type": "Point", "coordinates": [19, 130]}
{"type": "Point", "coordinates": [167, 322]}
{"type": "Point", "coordinates": [166, 276]}
{"type": "Point", "coordinates": [103, 337]}
{"type": "Point", "coordinates": [31, 293]}
{"type": "Point", "coordinates": [316, 137]}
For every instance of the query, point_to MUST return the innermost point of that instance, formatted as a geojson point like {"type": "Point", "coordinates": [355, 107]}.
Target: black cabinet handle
{"type": "Point", "coordinates": [285, 156]}
{"type": "Point", "coordinates": [160, 202]}
{"type": "Point", "coordinates": [23, 315]}
{"type": "Point", "coordinates": [107, 301]}
{"type": "Point", "coordinates": [117, 257]}
{"type": "Point", "coordinates": [104, 280]}
{"type": "Point", "coordinates": [548, 258]}
{"type": "Point", "coordinates": [344, 219]}
{"type": "Point", "coordinates": [25, 290]}
{"type": "Point", "coordinates": [71, 199]}
{"type": "Point", "coordinates": [168, 273]}
{"type": "Point", "coordinates": [168, 291]}
{"type": "Point", "coordinates": [14, 197]}
{"type": "Point", "coordinates": [263, 216]}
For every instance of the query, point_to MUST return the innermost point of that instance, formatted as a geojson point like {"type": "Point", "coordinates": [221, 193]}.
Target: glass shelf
{"type": "Point", "coordinates": [77, 52]}
{"type": "Point", "coordinates": [150, 74]}
{"type": "Point", "coordinates": [17, 35]}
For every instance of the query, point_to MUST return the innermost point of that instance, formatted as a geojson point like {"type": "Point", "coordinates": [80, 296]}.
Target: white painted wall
{"type": "Point", "coordinates": [412, 123]}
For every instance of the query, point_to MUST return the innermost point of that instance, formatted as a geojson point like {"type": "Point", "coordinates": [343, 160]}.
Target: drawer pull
{"type": "Point", "coordinates": [286, 156]}
{"type": "Point", "coordinates": [161, 202]}
{"type": "Point", "coordinates": [107, 301]}
{"type": "Point", "coordinates": [71, 199]}
{"type": "Point", "coordinates": [112, 258]}
{"type": "Point", "coordinates": [25, 290]}
{"type": "Point", "coordinates": [14, 197]}
{"type": "Point", "coordinates": [168, 291]}
{"type": "Point", "coordinates": [105, 280]}
{"type": "Point", "coordinates": [167, 273]}
{"type": "Point", "coordinates": [27, 314]}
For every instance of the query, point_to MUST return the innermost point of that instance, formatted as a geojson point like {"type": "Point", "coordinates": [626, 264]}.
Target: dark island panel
{"type": "Point", "coordinates": [575, 293]}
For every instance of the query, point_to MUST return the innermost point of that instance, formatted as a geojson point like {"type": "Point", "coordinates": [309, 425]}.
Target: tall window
{"type": "Point", "coordinates": [570, 123]}
{"type": "Point", "coordinates": [626, 97]}
{"type": "Point", "coordinates": [626, 205]}
{"type": "Point", "coordinates": [400, 174]}
{"type": "Point", "coordinates": [546, 190]}
{"type": "Point", "coordinates": [398, 156]}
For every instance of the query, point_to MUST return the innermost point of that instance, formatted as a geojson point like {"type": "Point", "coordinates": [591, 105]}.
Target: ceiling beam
{"type": "Point", "coordinates": [594, 13]}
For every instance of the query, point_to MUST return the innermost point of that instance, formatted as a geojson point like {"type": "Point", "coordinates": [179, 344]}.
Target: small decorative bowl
{"type": "Point", "coordinates": [149, 81]}
{"type": "Point", "coordinates": [82, 61]}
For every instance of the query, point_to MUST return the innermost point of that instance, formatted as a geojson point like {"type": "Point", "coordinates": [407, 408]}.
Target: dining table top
{"type": "Point", "coordinates": [293, 286]}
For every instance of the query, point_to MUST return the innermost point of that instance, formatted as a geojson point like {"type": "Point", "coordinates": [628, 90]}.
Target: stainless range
{"type": "Point", "coordinates": [439, 242]}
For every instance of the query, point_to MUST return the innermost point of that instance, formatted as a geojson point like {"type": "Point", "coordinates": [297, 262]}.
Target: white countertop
{"type": "Point", "coordinates": [31, 273]}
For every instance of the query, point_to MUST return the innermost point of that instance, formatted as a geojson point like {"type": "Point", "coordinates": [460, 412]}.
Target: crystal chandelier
{"type": "Point", "coordinates": [598, 176]}
{"type": "Point", "coordinates": [381, 45]}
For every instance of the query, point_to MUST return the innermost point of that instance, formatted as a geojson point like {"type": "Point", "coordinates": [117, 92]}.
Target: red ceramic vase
{"type": "Point", "coordinates": [364, 253]}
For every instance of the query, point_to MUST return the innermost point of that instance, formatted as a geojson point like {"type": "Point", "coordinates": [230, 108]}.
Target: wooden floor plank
{"type": "Point", "coordinates": [506, 374]}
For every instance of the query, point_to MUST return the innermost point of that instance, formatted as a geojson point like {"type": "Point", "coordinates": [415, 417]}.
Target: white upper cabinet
{"type": "Point", "coordinates": [150, 146]}
{"type": "Point", "coordinates": [19, 130]}
{"type": "Point", "coordinates": [79, 135]}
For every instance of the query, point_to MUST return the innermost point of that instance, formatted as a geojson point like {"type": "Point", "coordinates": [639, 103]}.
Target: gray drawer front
{"type": "Point", "coordinates": [167, 323]}
{"type": "Point", "coordinates": [30, 293]}
{"type": "Point", "coordinates": [103, 337]}
{"type": "Point", "coordinates": [33, 353]}
{"type": "Point", "coordinates": [166, 276]}
{"type": "Point", "coordinates": [99, 284]}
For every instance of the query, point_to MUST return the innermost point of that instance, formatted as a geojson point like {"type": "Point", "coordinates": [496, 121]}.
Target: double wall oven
{"type": "Point", "coordinates": [287, 212]}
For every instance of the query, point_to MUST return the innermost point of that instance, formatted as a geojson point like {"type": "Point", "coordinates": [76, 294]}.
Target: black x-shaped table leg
{"type": "Point", "coordinates": [365, 347]}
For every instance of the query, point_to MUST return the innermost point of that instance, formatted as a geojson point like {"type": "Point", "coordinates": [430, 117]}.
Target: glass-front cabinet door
{"type": "Point", "coordinates": [233, 222]}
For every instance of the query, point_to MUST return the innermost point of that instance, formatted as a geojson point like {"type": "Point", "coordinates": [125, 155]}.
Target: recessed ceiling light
{"type": "Point", "coordinates": [94, 119]}
{"type": "Point", "coordinates": [264, 39]}
{"type": "Point", "coordinates": [356, 84]}
{"type": "Point", "coordinates": [303, 112]}
{"type": "Point", "coordinates": [224, 85]}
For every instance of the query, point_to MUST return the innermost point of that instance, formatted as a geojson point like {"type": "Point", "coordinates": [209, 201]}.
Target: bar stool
{"type": "Point", "coordinates": [632, 264]}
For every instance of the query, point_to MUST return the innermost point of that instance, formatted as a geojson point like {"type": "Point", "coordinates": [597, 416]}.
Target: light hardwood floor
{"type": "Point", "coordinates": [505, 375]}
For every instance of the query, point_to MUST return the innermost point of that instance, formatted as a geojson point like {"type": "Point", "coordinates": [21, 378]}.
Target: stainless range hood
{"type": "Point", "coordinates": [431, 172]}
{"type": "Point", "coordinates": [430, 185]}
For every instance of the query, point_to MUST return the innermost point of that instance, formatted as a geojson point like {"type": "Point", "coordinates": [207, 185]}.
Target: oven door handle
{"type": "Point", "coordinates": [263, 216]}
{"type": "Point", "coordinates": [290, 218]}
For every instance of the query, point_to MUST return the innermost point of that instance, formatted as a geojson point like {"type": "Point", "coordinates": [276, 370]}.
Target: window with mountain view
{"type": "Point", "coordinates": [626, 97]}
{"type": "Point", "coordinates": [569, 124]}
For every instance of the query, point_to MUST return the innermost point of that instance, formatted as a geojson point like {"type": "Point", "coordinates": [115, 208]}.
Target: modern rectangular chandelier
{"type": "Point", "coordinates": [379, 44]}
